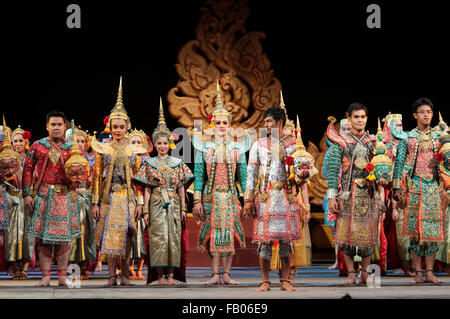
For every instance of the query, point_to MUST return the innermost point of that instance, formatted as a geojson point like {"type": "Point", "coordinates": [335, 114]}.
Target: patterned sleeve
{"type": "Point", "coordinates": [326, 159]}
{"type": "Point", "coordinates": [400, 158]}
{"type": "Point", "coordinates": [97, 180]}
{"type": "Point", "coordinates": [242, 171]}
{"type": "Point", "coordinates": [334, 164]}
{"type": "Point", "coordinates": [199, 174]}
{"type": "Point", "coordinates": [252, 172]}
{"type": "Point", "coordinates": [28, 169]}
{"type": "Point", "coordinates": [186, 174]}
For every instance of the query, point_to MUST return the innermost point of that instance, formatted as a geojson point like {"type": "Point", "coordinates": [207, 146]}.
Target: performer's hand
{"type": "Point", "coordinates": [333, 206]}
{"type": "Point", "coordinates": [395, 216]}
{"type": "Point", "coordinates": [397, 195]}
{"type": "Point", "coordinates": [198, 210]}
{"type": "Point", "coordinates": [29, 203]}
{"type": "Point", "coordinates": [183, 216]}
{"type": "Point", "coordinates": [307, 217]}
{"type": "Point", "coordinates": [249, 209]}
{"type": "Point", "coordinates": [138, 212]}
{"type": "Point", "coordinates": [147, 219]}
{"type": "Point", "coordinates": [382, 182]}
{"type": "Point", "coordinates": [95, 211]}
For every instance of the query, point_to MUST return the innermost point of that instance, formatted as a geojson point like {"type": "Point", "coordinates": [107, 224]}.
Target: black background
{"type": "Point", "coordinates": [322, 52]}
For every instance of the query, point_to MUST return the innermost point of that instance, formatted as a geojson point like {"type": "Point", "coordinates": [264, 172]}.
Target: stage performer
{"type": "Point", "coordinates": [19, 246]}
{"type": "Point", "coordinates": [274, 206]}
{"type": "Point", "coordinates": [220, 163]}
{"type": "Point", "coordinates": [416, 184]}
{"type": "Point", "coordinates": [138, 252]}
{"type": "Point", "coordinates": [165, 178]}
{"type": "Point", "coordinates": [116, 203]}
{"type": "Point", "coordinates": [357, 211]}
{"type": "Point", "coordinates": [55, 219]}
{"type": "Point", "coordinates": [83, 249]}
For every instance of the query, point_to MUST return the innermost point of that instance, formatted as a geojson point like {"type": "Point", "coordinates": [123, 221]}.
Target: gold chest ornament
{"type": "Point", "coordinates": [54, 155]}
{"type": "Point", "coordinates": [361, 155]}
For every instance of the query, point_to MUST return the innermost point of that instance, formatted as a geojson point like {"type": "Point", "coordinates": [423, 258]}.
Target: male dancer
{"type": "Point", "coordinates": [416, 184]}
{"type": "Point", "coordinates": [55, 220]}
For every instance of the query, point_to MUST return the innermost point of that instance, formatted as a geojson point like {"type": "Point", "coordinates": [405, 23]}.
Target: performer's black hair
{"type": "Point", "coordinates": [55, 114]}
{"type": "Point", "coordinates": [277, 114]}
{"type": "Point", "coordinates": [356, 106]}
{"type": "Point", "coordinates": [422, 101]}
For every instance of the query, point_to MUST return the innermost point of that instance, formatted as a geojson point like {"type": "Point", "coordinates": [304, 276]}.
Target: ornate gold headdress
{"type": "Point", "coordinates": [219, 108]}
{"type": "Point", "coordinates": [79, 131]}
{"type": "Point", "coordinates": [119, 112]}
{"type": "Point", "coordinates": [380, 150]}
{"type": "Point", "coordinates": [18, 130]}
{"type": "Point", "coordinates": [142, 136]}
{"type": "Point", "coordinates": [392, 117]}
{"type": "Point", "coordinates": [75, 153]}
{"type": "Point", "coordinates": [7, 151]}
{"type": "Point", "coordinates": [161, 129]}
{"type": "Point", "coordinates": [300, 149]}
{"type": "Point", "coordinates": [289, 125]}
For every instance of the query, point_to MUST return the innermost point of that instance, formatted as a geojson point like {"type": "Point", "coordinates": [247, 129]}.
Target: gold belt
{"type": "Point", "coordinates": [277, 185]}
{"type": "Point", "coordinates": [222, 188]}
{"type": "Point", "coordinates": [428, 177]}
{"type": "Point", "coordinates": [117, 188]}
{"type": "Point", "coordinates": [58, 188]}
{"type": "Point", "coordinates": [361, 181]}
{"type": "Point", "coordinates": [170, 191]}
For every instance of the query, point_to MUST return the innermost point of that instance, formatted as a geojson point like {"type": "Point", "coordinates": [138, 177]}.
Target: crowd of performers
{"type": "Point", "coordinates": [75, 198]}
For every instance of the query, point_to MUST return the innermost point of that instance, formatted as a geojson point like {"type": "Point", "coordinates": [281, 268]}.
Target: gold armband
{"type": "Point", "coordinates": [396, 183]}
{"type": "Point", "coordinates": [140, 199]}
{"type": "Point", "coordinates": [197, 195]}
{"type": "Point", "coordinates": [95, 199]}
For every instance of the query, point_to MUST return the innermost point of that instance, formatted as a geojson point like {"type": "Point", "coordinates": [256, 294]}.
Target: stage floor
{"type": "Point", "coordinates": [315, 282]}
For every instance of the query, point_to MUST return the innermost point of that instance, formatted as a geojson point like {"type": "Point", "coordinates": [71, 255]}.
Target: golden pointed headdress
{"type": "Point", "coordinates": [161, 128]}
{"type": "Point", "coordinates": [380, 150]}
{"type": "Point", "coordinates": [7, 151]}
{"type": "Point", "coordinates": [119, 112]}
{"type": "Point", "coordinates": [79, 131]}
{"type": "Point", "coordinates": [219, 108]}
{"type": "Point", "coordinates": [75, 154]}
{"type": "Point", "coordinates": [300, 149]}
{"type": "Point", "coordinates": [141, 135]}
{"type": "Point", "coordinates": [289, 125]}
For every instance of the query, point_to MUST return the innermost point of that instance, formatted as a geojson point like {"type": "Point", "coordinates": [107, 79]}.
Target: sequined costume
{"type": "Point", "coordinates": [55, 218]}
{"type": "Point", "coordinates": [113, 190]}
{"type": "Point", "coordinates": [416, 173]}
{"type": "Point", "coordinates": [278, 215]}
{"type": "Point", "coordinates": [357, 221]}
{"type": "Point", "coordinates": [164, 176]}
{"type": "Point", "coordinates": [218, 166]}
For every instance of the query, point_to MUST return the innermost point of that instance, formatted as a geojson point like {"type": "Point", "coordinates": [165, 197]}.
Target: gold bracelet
{"type": "Point", "coordinates": [145, 209]}
{"type": "Point", "coordinates": [183, 207]}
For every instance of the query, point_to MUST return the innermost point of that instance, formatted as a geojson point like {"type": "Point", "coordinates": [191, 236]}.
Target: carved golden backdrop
{"type": "Point", "coordinates": [226, 51]}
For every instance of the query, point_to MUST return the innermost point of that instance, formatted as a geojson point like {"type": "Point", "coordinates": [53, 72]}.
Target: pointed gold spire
{"type": "Point", "coordinates": [119, 112]}
{"type": "Point", "coordinates": [161, 128]}
{"type": "Point", "coordinates": [300, 149]}
{"type": "Point", "coordinates": [289, 125]}
{"type": "Point", "coordinates": [219, 108]}
{"type": "Point", "coordinates": [282, 105]}
{"type": "Point", "coordinates": [7, 151]}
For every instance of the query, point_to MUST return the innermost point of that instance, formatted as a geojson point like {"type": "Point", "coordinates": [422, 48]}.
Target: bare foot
{"type": "Point", "coordinates": [264, 286]}
{"type": "Point", "coordinates": [409, 274]}
{"type": "Point", "coordinates": [162, 281]}
{"type": "Point", "coordinates": [139, 275]}
{"type": "Point", "coordinates": [227, 280]}
{"type": "Point", "coordinates": [132, 274]}
{"type": "Point", "coordinates": [214, 280]}
{"type": "Point", "coordinates": [286, 285]}
{"type": "Point", "coordinates": [125, 281]}
{"type": "Point", "coordinates": [363, 276]}
{"type": "Point", "coordinates": [351, 278]}
{"type": "Point", "coordinates": [292, 278]}
{"type": "Point", "coordinates": [431, 278]}
{"type": "Point", "coordinates": [171, 281]}
{"type": "Point", "coordinates": [334, 266]}
{"type": "Point", "coordinates": [98, 267]}
{"type": "Point", "coordinates": [112, 281]}
{"type": "Point", "coordinates": [45, 282]}
{"type": "Point", "coordinates": [62, 281]}
{"type": "Point", "coordinates": [418, 278]}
